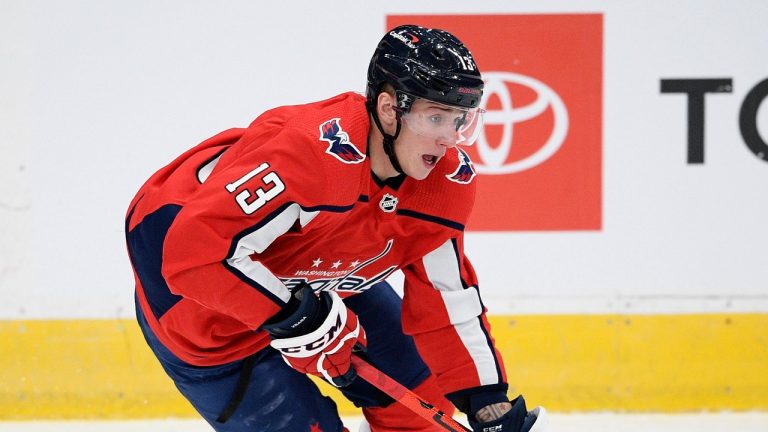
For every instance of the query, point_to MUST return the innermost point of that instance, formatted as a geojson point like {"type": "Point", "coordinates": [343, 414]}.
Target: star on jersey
{"type": "Point", "coordinates": [336, 279]}
{"type": "Point", "coordinates": [336, 264]}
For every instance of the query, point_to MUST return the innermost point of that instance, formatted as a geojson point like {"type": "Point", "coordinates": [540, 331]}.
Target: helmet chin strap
{"type": "Point", "coordinates": [389, 140]}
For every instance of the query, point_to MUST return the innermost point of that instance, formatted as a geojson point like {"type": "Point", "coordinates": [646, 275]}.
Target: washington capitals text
{"type": "Point", "coordinates": [348, 284]}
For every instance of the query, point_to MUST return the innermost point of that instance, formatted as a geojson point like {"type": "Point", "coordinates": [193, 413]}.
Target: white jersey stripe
{"type": "Point", "coordinates": [205, 171]}
{"type": "Point", "coordinates": [474, 339]}
{"type": "Point", "coordinates": [443, 268]}
{"type": "Point", "coordinates": [463, 307]}
{"type": "Point", "coordinates": [258, 241]}
{"type": "Point", "coordinates": [256, 271]}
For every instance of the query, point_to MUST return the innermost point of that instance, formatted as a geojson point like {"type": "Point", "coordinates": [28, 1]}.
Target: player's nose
{"type": "Point", "coordinates": [447, 142]}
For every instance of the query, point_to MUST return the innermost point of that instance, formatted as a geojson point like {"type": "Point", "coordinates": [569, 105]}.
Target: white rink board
{"type": "Point", "coordinates": [98, 95]}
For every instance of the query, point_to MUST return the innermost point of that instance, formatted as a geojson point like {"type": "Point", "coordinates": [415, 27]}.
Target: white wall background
{"type": "Point", "coordinates": [95, 96]}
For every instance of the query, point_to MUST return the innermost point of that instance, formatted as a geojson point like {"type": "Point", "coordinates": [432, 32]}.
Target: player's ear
{"type": "Point", "coordinates": [385, 105]}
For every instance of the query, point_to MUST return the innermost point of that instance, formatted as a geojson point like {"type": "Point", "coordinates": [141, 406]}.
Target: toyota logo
{"type": "Point", "coordinates": [493, 159]}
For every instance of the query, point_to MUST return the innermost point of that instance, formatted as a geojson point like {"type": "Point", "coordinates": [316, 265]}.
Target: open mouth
{"type": "Point", "coordinates": [430, 160]}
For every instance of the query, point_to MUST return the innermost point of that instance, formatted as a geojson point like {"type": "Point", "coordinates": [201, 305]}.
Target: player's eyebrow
{"type": "Point", "coordinates": [444, 108]}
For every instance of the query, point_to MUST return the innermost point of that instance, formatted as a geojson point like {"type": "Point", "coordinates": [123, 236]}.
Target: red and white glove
{"type": "Point", "coordinates": [318, 336]}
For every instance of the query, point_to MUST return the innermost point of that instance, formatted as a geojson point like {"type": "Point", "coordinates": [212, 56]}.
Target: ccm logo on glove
{"type": "Point", "coordinates": [313, 347]}
{"type": "Point", "coordinates": [316, 334]}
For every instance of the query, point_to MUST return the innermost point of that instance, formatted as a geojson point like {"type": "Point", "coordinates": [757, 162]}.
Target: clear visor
{"type": "Point", "coordinates": [448, 124]}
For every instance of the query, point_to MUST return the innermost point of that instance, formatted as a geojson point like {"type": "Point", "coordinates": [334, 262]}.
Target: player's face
{"type": "Point", "coordinates": [417, 154]}
{"type": "Point", "coordinates": [429, 130]}
{"type": "Point", "coordinates": [445, 123]}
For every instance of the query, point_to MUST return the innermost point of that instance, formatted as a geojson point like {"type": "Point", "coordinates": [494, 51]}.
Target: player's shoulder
{"type": "Point", "coordinates": [324, 140]}
{"type": "Point", "coordinates": [456, 170]}
{"type": "Point", "coordinates": [454, 174]}
{"type": "Point", "coordinates": [331, 130]}
{"type": "Point", "coordinates": [346, 111]}
{"type": "Point", "coordinates": [449, 190]}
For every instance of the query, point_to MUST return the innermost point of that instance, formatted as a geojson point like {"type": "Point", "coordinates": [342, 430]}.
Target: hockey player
{"type": "Point", "coordinates": [261, 255]}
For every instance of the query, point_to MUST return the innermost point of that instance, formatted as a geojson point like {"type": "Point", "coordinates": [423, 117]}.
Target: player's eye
{"type": "Point", "coordinates": [435, 119]}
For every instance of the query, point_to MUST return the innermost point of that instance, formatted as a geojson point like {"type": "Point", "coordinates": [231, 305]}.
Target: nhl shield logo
{"type": "Point", "coordinates": [388, 203]}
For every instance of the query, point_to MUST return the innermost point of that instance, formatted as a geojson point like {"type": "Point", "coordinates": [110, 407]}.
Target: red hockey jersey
{"type": "Point", "coordinates": [232, 225]}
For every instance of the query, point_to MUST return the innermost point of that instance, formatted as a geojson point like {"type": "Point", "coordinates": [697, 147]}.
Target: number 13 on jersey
{"type": "Point", "coordinates": [252, 201]}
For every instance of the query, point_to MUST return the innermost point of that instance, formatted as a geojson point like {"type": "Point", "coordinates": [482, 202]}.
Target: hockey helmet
{"type": "Point", "coordinates": [424, 63]}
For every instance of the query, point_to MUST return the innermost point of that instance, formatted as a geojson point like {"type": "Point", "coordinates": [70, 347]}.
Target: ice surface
{"type": "Point", "coordinates": [604, 422]}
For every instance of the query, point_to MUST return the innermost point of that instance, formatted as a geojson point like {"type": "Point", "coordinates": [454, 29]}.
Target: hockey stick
{"type": "Point", "coordinates": [406, 397]}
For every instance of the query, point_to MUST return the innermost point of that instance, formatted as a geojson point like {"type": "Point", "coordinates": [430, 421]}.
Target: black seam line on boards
{"type": "Point", "coordinates": [430, 218]}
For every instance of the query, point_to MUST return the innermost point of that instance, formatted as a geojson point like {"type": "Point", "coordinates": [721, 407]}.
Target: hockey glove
{"type": "Point", "coordinates": [518, 419]}
{"type": "Point", "coordinates": [317, 335]}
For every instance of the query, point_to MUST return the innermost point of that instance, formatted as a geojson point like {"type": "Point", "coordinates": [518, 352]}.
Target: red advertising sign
{"type": "Point", "coordinates": [539, 157]}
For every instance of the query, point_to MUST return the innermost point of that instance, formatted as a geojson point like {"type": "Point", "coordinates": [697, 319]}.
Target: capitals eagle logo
{"type": "Point", "coordinates": [340, 146]}
{"type": "Point", "coordinates": [465, 171]}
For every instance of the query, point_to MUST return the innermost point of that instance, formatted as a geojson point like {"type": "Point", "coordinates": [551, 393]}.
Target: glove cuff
{"type": "Point", "coordinates": [310, 344]}
{"type": "Point", "coordinates": [511, 421]}
{"type": "Point", "coordinates": [303, 314]}
{"type": "Point", "coordinates": [472, 399]}
{"type": "Point", "coordinates": [482, 400]}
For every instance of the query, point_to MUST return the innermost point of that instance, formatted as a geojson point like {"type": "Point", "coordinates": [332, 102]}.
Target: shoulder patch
{"type": "Point", "coordinates": [339, 146]}
{"type": "Point", "coordinates": [465, 172]}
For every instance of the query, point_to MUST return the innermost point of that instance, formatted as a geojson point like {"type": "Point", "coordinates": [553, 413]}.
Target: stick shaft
{"type": "Point", "coordinates": [406, 397]}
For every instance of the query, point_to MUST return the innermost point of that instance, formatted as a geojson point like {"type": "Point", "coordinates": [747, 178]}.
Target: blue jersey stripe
{"type": "Point", "coordinates": [430, 218]}
{"type": "Point", "coordinates": [145, 248]}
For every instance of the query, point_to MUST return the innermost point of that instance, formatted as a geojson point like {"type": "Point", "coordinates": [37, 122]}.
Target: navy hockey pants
{"type": "Point", "coordinates": [277, 398]}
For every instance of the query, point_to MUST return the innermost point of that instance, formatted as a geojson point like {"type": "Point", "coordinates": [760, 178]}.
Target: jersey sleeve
{"type": "Point", "coordinates": [259, 192]}
{"type": "Point", "coordinates": [443, 311]}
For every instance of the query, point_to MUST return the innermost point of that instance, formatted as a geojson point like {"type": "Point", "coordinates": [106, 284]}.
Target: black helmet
{"type": "Point", "coordinates": [424, 63]}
